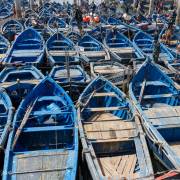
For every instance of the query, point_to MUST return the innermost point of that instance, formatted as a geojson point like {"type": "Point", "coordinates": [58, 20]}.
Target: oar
{"type": "Point", "coordinates": [23, 123]}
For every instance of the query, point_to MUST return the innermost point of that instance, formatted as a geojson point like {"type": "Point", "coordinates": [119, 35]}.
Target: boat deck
{"type": "Point", "coordinates": [119, 166]}
{"type": "Point", "coordinates": [49, 165]}
{"type": "Point", "coordinates": [107, 128]}
{"type": "Point", "coordinates": [164, 117]}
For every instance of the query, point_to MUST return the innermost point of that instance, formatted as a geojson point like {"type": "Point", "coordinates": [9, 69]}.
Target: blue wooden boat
{"type": "Point", "coordinates": [121, 47]}
{"type": "Point", "coordinates": [56, 25]}
{"type": "Point", "coordinates": [92, 50]}
{"type": "Point", "coordinates": [44, 136]}
{"type": "Point", "coordinates": [19, 81]}
{"type": "Point", "coordinates": [158, 102]}
{"type": "Point", "coordinates": [28, 48]}
{"type": "Point", "coordinates": [113, 71]}
{"type": "Point", "coordinates": [109, 134]}
{"type": "Point", "coordinates": [144, 42]}
{"type": "Point", "coordinates": [11, 29]}
{"type": "Point", "coordinates": [6, 116]}
{"type": "Point", "coordinates": [4, 45]}
{"type": "Point", "coordinates": [74, 36]}
{"type": "Point", "coordinates": [61, 50]}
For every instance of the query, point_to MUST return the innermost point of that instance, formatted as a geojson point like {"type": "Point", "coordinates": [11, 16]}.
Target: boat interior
{"type": "Point", "coordinates": [112, 136]}
{"type": "Point", "coordinates": [160, 103]}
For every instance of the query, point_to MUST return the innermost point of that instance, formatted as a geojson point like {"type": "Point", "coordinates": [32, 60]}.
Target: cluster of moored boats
{"type": "Point", "coordinates": [58, 86]}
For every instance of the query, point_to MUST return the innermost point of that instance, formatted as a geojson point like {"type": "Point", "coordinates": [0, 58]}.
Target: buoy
{"type": "Point", "coordinates": [96, 19]}
{"type": "Point", "coordinates": [88, 18]}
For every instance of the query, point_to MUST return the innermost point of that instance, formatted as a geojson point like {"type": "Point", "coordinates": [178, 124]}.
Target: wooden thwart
{"type": "Point", "coordinates": [105, 127]}
{"type": "Point", "coordinates": [97, 94]}
{"type": "Point", "coordinates": [123, 50]}
{"type": "Point", "coordinates": [101, 109]}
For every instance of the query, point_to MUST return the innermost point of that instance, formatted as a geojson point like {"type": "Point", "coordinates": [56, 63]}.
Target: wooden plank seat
{"type": "Point", "coordinates": [105, 109]}
{"type": "Point", "coordinates": [116, 43]}
{"type": "Point", "coordinates": [123, 50]}
{"type": "Point", "coordinates": [27, 53]}
{"type": "Point", "coordinates": [60, 48]}
{"type": "Point", "coordinates": [54, 112]}
{"type": "Point", "coordinates": [147, 49]}
{"type": "Point", "coordinates": [7, 84]}
{"type": "Point", "coordinates": [107, 70]}
{"type": "Point", "coordinates": [144, 40]}
{"type": "Point", "coordinates": [93, 53]}
{"type": "Point", "coordinates": [108, 127]}
{"type": "Point", "coordinates": [49, 98]}
{"type": "Point", "coordinates": [164, 117]}
{"type": "Point", "coordinates": [159, 96]}
{"type": "Point", "coordinates": [154, 83]}
{"type": "Point", "coordinates": [62, 53]}
{"type": "Point", "coordinates": [98, 94]}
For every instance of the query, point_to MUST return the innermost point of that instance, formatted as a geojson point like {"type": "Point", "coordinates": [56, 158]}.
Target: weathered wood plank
{"type": "Point", "coordinates": [101, 109]}
{"type": "Point", "coordinates": [97, 94]}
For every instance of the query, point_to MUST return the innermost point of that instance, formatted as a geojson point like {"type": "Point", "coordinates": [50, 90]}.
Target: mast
{"type": "Point", "coordinates": [18, 9]}
{"type": "Point", "coordinates": [178, 13]}
{"type": "Point", "coordinates": [151, 7]}
{"type": "Point", "coordinates": [31, 4]}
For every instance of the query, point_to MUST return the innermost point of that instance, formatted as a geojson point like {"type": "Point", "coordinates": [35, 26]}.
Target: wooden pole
{"type": "Point", "coordinates": [40, 3]}
{"type": "Point", "coordinates": [151, 7]}
{"type": "Point", "coordinates": [178, 13]}
{"type": "Point", "coordinates": [18, 9]}
{"type": "Point", "coordinates": [31, 4]}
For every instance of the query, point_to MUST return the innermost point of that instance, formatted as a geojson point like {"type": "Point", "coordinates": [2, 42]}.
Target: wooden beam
{"type": "Point", "coordinates": [40, 3]}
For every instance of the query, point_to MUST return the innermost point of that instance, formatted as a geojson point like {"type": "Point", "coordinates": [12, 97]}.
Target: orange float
{"type": "Point", "coordinates": [88, 18]}
{"type": "Point", "coordinates": [96, 19]}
